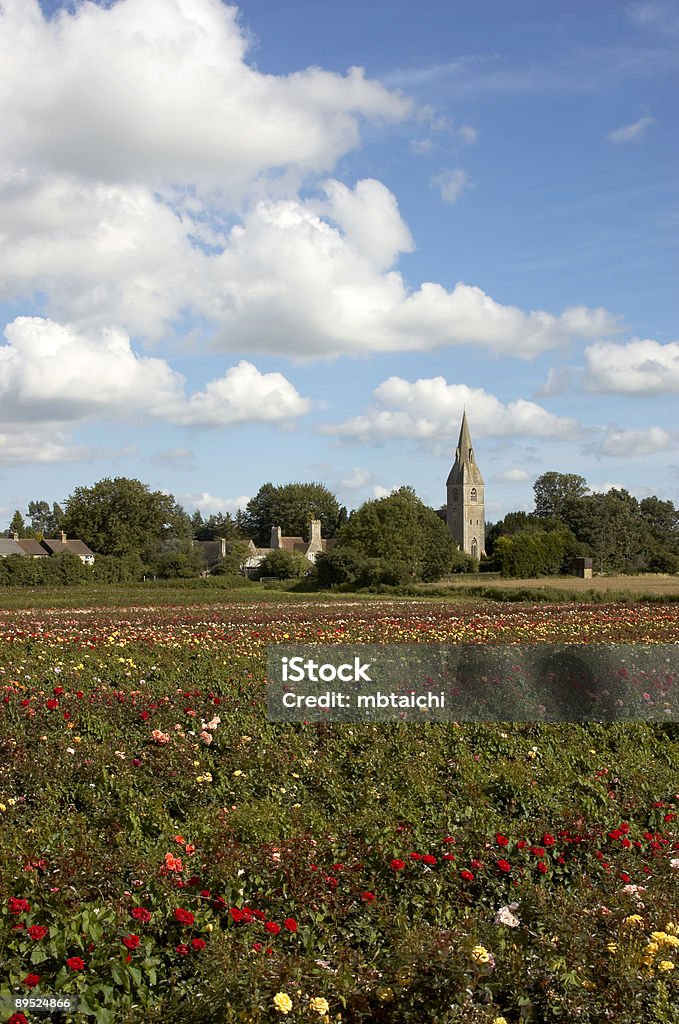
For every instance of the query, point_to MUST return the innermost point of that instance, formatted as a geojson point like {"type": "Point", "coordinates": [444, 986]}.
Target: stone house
{"type": "Point", "coordinates": [28, 547]}
{"type": "Point", "coordinates": [309, 548]}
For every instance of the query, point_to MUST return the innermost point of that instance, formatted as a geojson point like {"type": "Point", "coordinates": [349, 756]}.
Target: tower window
{"type": "Point", "coordinates": [472, 494]}
{"type": "Point", "coordinates": [475, 549]}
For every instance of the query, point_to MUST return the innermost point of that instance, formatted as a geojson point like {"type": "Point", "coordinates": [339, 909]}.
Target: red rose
{"type": "Point", "coordinates": [501, 840]}
{"type": "Point", "coordinates": [367, 897]}
{"type": "Point", "coordinates": [182, 949]}
{"type": "Point", "coordinates": [290, 924]}
{"type": "Point", "coordinates": [449, 856]}
{"type": "Point", "coordinates": [183, 916]}
{"type": "Point", "coordinates": [18, 906]}
{"type": "Point", "coordinates": [625, 877]}
{"type": "Point", "coordinates": [131, 941]}
{"type": "Point", "coordinates": [428, 859]}
{"type": "Point", "coordinates": [504, 865]}
{"type": "Point", "coordinates": [236, 914]}
{"type": "Point", "coordinates": [477, 865]}
{"type": "Point", "coordinates": [548, 840]}
{"type": "Point", "coordinates": [272, 927]}
{"type": "Point", "coordinates": [141, 914]}
{"type": "Point", "coordinates": [467, 875]}
{"type": "Point", "coordinates": [198, 944]}
{"type": "Point", "coordinates": [397, 865]}
{"type": "Point", "coordinates": [416, 856]}
{"type": "Point", "coordinates": [37, 932]}
{"type": "Point", "coordinates": [75, 963]}
{"type": "Point", "coordinates": [257, 947]}
{"type": "Point", "coordinates": [17, 1018]}
{"type": "Point", "coordinates": [31, 980]}
{"type": "Point", "coordinates": [522, 844]}
{"type": "Point", "coordinates": [542, 867]}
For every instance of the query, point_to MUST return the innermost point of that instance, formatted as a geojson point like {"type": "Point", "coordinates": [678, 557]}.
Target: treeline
{"type": "Point", "coordinates": [617, 531]}
{"type": "Point", "coordinates": [391, 541]}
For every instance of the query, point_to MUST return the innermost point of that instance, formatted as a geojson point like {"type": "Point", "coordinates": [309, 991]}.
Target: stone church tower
{"type": "Point", "coordinates": [465, 513]}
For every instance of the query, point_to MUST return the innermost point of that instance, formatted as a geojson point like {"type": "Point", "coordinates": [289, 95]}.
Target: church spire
{"type": "Point", "coordinates": [465, 511]}
{"type": "Point", "coordinates": [464, 450]}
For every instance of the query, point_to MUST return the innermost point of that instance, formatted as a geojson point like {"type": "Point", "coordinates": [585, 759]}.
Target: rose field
{"type": "Point", "coordinates": [167, 854]}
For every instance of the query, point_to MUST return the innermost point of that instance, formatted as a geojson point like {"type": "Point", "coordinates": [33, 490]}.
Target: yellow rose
{"type": "Point", "coordinates": [282, 1002]}
{"type": "Point", "coordinates": [634, 921]}
{"type": "Point", "coordinates": [665, 965]}
{"type": "Point", "coordinates": [319, 1005]}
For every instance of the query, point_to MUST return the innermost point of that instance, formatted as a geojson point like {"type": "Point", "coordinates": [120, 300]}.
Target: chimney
{"type": "Point", "coordinates": [275, 541]}
{"type": "Point", "coordinates": [315, 533]}
{"type": "Point", "coordinates": [15, 536]}
{"type": "Point", "coordinates": [222, 546]}
{"type": "Point", "coordinates": [63, 537]}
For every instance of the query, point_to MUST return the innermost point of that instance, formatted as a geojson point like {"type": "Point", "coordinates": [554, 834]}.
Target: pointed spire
{"type": "Point", "coordinates": [464, 444]}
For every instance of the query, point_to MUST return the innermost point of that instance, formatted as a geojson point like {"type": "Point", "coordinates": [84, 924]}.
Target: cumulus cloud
{"type": "Point", "coordinates": [209, 504]}
{"type": "Point", "coordinates": [512, 476]}
{"type": "Point", "coordinates": [50, 371]}
{"type": "Point", "coordinates": [243, 395]}
{"type": "Point", "coordinates": [631, 132]}
{"type": "Point", "coordinates": [451, 184]}
{"type": "Point", "coordinates": [48, 444]}
{"type": "Point", "coordinates": [53, 372]}
{"type": "Point", "coordinates": [430, 409]}
{"type": "Point", "coordinates": [161, 89]}
{"type": "Point", "coordinates": [307, 278]}
{"type": "Point", "coordinates": [357, 478]}
{"type": "Point", "coordinates": [639, 367]}
{"type": "Point", "coordinates": [634, 443]}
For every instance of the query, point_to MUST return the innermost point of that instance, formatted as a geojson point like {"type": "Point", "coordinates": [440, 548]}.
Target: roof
{"type": "Point", "coordinates": [293, 543]}
{"type": "Point", "coordinates": [30, 546]}
{"type": "Point", "coordinates": [10, 547]}
{"type": "Point", "coordinates": [465, 470]}
{"type": "Point", "coordinates": [75, 547]}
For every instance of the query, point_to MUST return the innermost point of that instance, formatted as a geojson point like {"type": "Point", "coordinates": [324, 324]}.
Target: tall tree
{"type": "Point", "coordinates": [45, 521]}
{"type": "Point", "coordinates": [292, 507]}
{"type": "Point", "coordinates": [17, 525]}
{"type": "Point", "coordinates": [553, 490]}
{"type": "Point", "coordinates": [123, 517]}
{"type": "Point", "coordinates": [401, 529]}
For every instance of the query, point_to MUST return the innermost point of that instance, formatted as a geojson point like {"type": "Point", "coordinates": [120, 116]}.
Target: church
{"type": "Point", "coordinates": [465, 509]}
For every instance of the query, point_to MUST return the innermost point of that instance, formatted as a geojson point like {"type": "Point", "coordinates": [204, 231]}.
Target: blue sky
{"type": "Point", "coordinates": [229, 258]}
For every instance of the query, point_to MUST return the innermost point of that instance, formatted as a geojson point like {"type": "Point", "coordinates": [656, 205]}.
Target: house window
{"type": "Point", "coordinates": [472, 494]}
{"type": "Point", "coordinates": [455, 494]}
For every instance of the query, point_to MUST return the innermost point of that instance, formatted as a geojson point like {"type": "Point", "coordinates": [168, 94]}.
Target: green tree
{"type": "Point", "coordinates": [123, 517]}
{"type": "Point", "coordinates": [400, 529]}
{"type": "Point", "coordinates": [45, 521]}
{"type": "Point", "coordinates": [284, 564]}
{"type": "Point", "coordinates": [552, 490]}
{"type": "Point", "coordinates": [292, 507]}
{"type": "Point", "coordinates": [340, 565]}
{"type": "Point", "coordinates": [17, 525]}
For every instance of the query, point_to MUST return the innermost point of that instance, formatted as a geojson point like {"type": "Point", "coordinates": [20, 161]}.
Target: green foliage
{"type": "Point", "coordinates": [123, 517]}
{"type": "Point", "coordinates": [552, 490]}
{"type": "Point", "coordinates": [234, 560]}
{"type": "Point", "coordinates": [183, 563]}
{"type": "Point", "coordinates": [534, 553]}
{"type": "Point", "coordinates": [45, 521]}
{"type": "Point", "coordinates": [292, 507]}
{"type": "Point", "coordinates": [401, 530]}
{"type": "Point", "coordinates": [283, 564]}
{"type": "Point", "coordinates": [340, 565]}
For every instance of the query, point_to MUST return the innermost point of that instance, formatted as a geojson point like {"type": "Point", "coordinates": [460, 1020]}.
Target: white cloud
{"type": "Point", "coordinates": [381, 492]}
{"type": "Point", "coordinates": [52, 372]}
{"type": "Point", "coordinates": [18, 447]}
{"type": "Point", "coordinates": [639, 367]}
{"type": "Point", "coordinates": [430, 409]}
{"type": "Point", "coordinates": [559, 380]}
{"type": "Point", "coordinates": [243, 395]}
{"type": "Point", "coordinates": [209, 505]}
{"type": "Point", "coordinates": [357, 478]}
{"type": "Point", "coordinates": [631, 132]}
{"type": "Point", "coordinates": [160, 89]}
{"type": "Point", "coordinates": [512, 476]}
{"type": "Point", "coordinates": [451, 184]}
{"type": "Point", "coordinates": [467, 134]}
{"type": "Point", "coordinates": [634, 443]}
